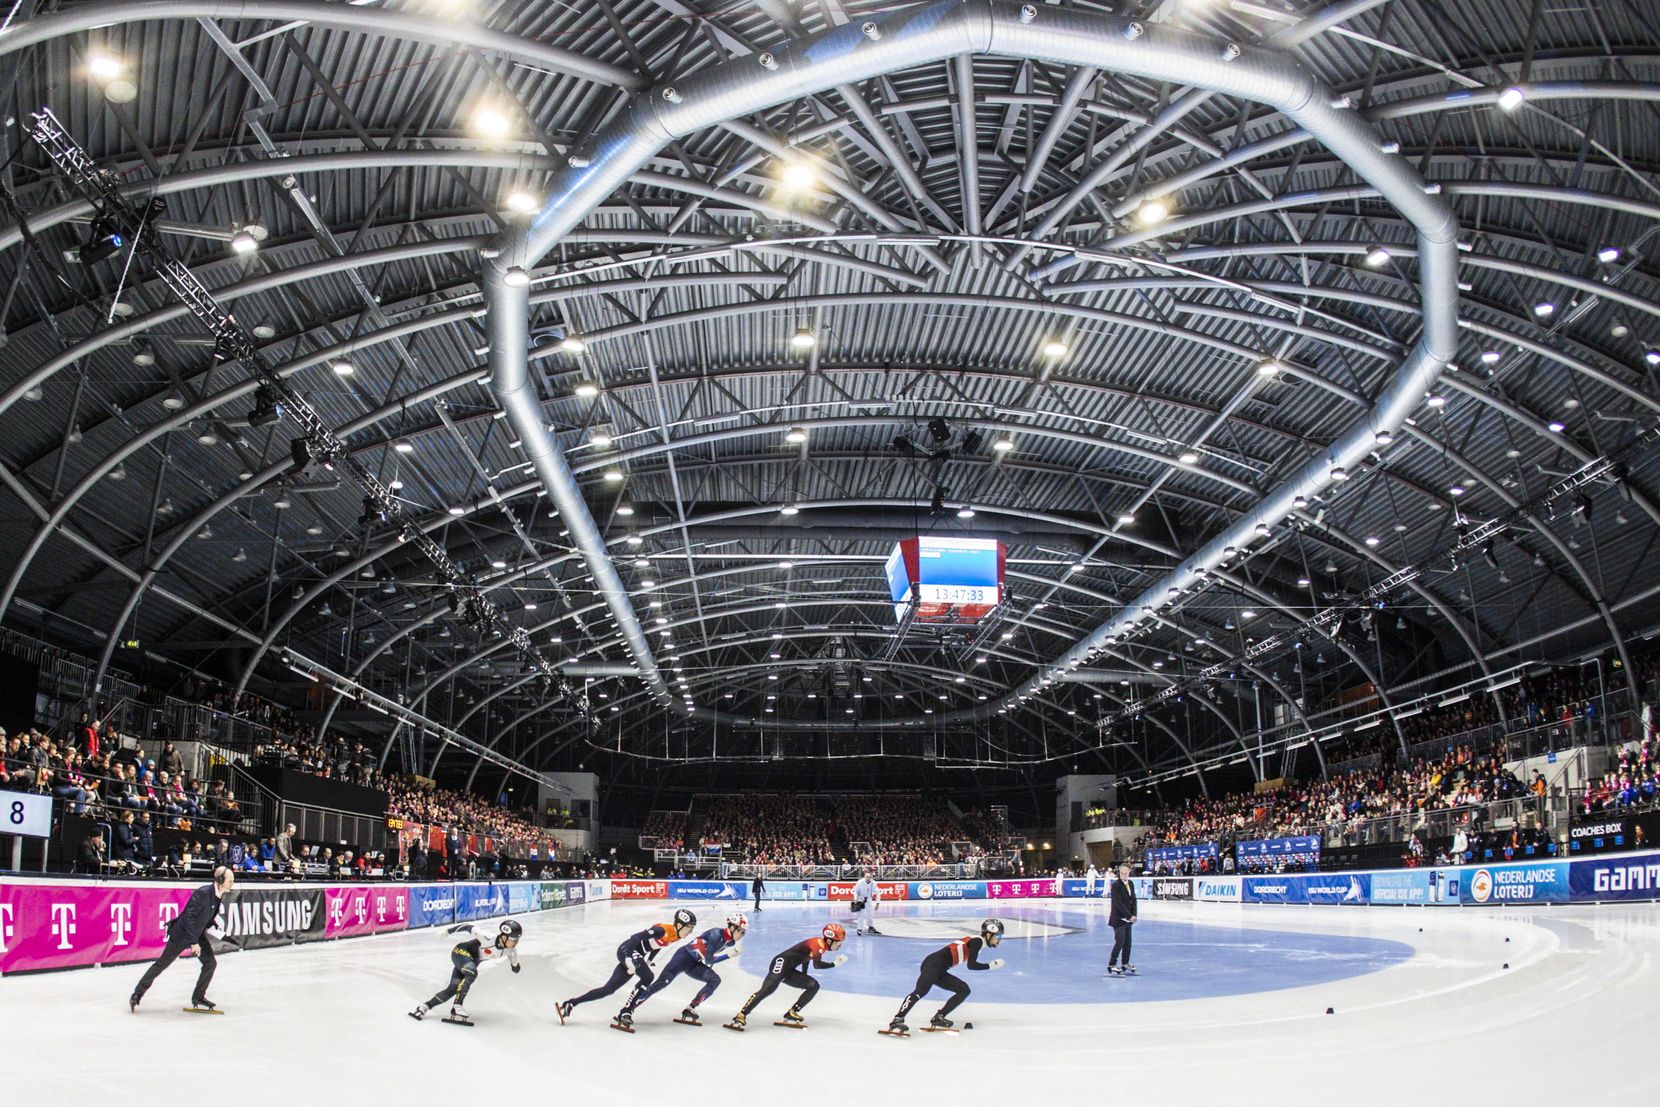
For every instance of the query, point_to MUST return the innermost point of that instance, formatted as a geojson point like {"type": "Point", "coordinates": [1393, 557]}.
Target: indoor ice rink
{"type": "Point", "coordinates": [1151, 499]}
{"type": "Point", "coordinates": [1229, 996]}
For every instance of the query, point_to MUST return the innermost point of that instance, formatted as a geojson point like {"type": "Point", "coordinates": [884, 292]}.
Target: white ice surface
{"type": "Point", "coordinates": [1571, 1021]}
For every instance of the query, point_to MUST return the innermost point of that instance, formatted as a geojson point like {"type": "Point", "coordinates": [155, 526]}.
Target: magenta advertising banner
{"type": "Point", "coordinates": [58, 926]}
{"type": "Point", "coordinates": [1020, 889]}
{"type": "Point", "coordinates": [366, 909]}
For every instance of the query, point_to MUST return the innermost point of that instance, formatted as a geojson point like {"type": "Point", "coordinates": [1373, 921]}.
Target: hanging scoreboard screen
{"type": "Point", "coordinates": [946, 578]}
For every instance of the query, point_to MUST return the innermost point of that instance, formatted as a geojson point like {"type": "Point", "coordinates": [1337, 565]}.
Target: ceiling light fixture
{"type": "Point", "coordinates": [1188, 457]}
{"type": "Point", "coordinates": [515, 277]}
{"type": "Point", "coordinates": [1153, 212]}
{"type": "Point", "coordinates": [795, 436]}
{"type": "Point", "coordinates": [1608, 255]}
{"type": "Point", "coordinates": [522, 201]}
{"type": "Point", "coordinates": [586, 390]}
{"type": "Point", "coordinates": [1377, 256]}
{"type": "Point", "coordinates": [244, 243]}
{"type": "Point", "coordinates": [341, 367]}
{"type": "Point", "coordinates": [803, 339]}
{"type": "Point", "coordinates": [1002, 444]}
{"type": "Point", "coordinates": [1511, 98]}
{"type": "Point", "coordinates": [1053, 348]}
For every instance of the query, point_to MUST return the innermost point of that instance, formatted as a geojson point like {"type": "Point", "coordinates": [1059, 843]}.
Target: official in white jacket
{"type": "Point", "coordinates": [866, 895]}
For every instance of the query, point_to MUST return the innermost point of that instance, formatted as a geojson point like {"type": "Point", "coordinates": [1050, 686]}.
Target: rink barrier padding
{"type": "Point", "coordinates": [64, 924]}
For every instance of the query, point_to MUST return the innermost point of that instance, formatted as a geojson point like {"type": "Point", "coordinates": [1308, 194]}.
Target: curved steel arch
{"type": "Point", "coordinates": [446, 33]}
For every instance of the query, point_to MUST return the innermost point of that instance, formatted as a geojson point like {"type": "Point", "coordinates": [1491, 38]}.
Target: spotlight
{"type": "Point", "coordinates": [1377, 256]}
{"type": "Point", "coordinates": [267, 407]}
{"type": "Point", "coordinates": [1511, 98]}
{"type": "Point", "coordinates": [971, 442]}
{"type": "Point", "coordinates": [492, 123]}
{"type": "Point", "coordinates": [1488, 556]}
{"type": "Point", "coordinates": [1544, 309]}
{"type": "Point", "coordinates": [1583, 507]}
{"type": "Point", "coordinates": [939, 430]}
{"type": "Point", "coordinates": [936, 506]}
{"type": "Point", "coordinates": [103, 241]}
{"type": "Point", "coordinates": [1608, 255]}
{"type": "Point", "coordinates": [798, 173]}
{"type": "Point", "coordinates": [224, 348]}
{"type": "Point", "coordinates": [1153, 212]}
{"type": "Point", "coordinates": [1490, 357]}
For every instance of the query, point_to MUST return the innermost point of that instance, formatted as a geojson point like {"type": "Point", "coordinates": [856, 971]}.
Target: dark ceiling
{"type": "Point", "coordinates": [143, 506]}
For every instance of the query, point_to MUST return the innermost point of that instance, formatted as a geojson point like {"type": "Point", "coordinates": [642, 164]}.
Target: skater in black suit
{"type": "Point", "coordinates": [191, 927]}
{"type": "Point", "coordinates": [1121, 918]}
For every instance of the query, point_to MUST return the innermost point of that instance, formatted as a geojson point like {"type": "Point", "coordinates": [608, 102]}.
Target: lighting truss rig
{"type": "Point", "coordinates": [317, 440]}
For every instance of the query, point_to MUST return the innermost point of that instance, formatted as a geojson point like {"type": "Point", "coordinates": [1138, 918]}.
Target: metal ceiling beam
{"type": "Point", "coordinates": [356, 19]}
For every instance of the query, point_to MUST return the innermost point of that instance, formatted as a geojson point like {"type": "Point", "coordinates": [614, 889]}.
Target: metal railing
{"type": "Point", "coordinates": [1120, 817]}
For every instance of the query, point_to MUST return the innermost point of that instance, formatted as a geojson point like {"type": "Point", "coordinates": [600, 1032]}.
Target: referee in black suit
{"type": "Point", "coordinates": [190, 928]}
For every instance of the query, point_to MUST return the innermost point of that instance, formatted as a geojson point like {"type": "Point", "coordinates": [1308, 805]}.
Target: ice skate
{"type": "Point", "coordinates": [204, 1007]}
{"type": "Point", "coordinates": [420, 1012]}
{"type": "Point", "coordinates": [564, 1010]}
{"type": "Point", "coordinates": [1130, 970]}
{"type": "Point", "coordinates": [458, 1016]}
{"type": "Point", "coordinates": [623, 1022]}
{"type": "Point", "coordinates": [740, 1023]}
{"type": "Point", "coordinates": [939, 1024]}
{"type": "Point", "coordinates": [689, 1017]}
{"type": "Point", "coordinates": [132, 1002]}
{"type": "Point", "coordinates": [1114, 970]}
{"type": "Point", "coordinates": [792, 1018]}
{"type": "Point", "coordinates": [896, 1029]}
{"type": "Point", "coordinates": [872, 930]}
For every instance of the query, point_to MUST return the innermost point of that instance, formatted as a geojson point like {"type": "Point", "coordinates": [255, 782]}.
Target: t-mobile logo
{"type": "Point", "coordinates": [166, 914]}
{"type": "Point", "coordinates": [121, 922]}
{"type": "Point", "coordinates": [361, 904]}
{"type": "Point", "coordinates": [380, 908]}
{"type": "Point", "coordinates": [63, 924]}
{"type": "Point", "coordinates": [5, 926]}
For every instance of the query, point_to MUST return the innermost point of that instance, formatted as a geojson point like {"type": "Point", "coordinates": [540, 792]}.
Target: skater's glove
{"type": "Point", "coordinates": [996, 962]}
{"type": "Point", "coordinates": [841, 959]}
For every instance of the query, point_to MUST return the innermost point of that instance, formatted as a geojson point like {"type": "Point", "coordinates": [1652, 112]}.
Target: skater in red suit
{"type": "Point", "coordinates": [790, 967]}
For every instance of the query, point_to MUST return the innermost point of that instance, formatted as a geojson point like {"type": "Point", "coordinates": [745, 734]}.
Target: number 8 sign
{"type": "Point", "coordinates": [25, 814]}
